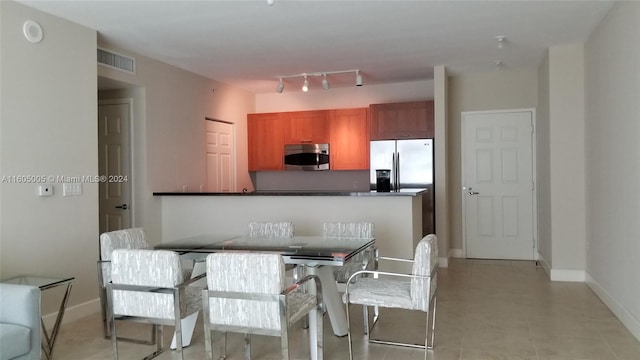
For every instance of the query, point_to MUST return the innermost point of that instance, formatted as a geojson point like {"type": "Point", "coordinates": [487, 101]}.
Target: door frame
{"type": "Point", "coordinates": [132, 179]}
{"type": "Point", "coordinates": [534, 162]}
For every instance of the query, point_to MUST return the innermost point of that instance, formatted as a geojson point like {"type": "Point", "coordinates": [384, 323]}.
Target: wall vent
{"type": "Point", "coordinates": [116, 61]}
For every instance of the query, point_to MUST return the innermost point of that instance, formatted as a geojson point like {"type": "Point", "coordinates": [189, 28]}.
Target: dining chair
{"type": "Point", "coordinates": [361, 261]}
{"type": "Point", "coordinates": [268, 229]}
{"type": "Point", "coordinates": [415, 291]}
{"type": "Point", "coordinates": [134, 238]}
{"type": "Point", "coordinates": [149, 286]}
{"type": "Point", "coordinates": [247, 294]}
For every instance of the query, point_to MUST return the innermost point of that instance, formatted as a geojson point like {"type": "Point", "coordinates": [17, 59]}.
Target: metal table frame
{"type": "Point", "coordinates": [44, 283]}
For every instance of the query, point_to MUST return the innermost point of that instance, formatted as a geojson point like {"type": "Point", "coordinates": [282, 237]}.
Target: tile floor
{"type": "Point", "coordinates": [486, 310]}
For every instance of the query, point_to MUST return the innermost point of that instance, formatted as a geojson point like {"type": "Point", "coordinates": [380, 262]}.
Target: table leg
{"type": "Point", "coordinates": [50, 339]}
{"type": "Point", "coordinates": [331, 298]}
{"type": "Point", "coordinates": [189, 323]}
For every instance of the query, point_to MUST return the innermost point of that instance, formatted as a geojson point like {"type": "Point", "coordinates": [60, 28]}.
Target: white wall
{"type": "Point", "coordinates": [612, 78]}
{"type": "Point", "coordinates": [567, 161]}
{"type": "Point", "coordinates": [170, 106]}
{"type": "Point", "coordinates": [48, 121]}
{"type": "Point", "coordinates": [495, 90]}
{"type": "Point", "coordinates": [441, 164]}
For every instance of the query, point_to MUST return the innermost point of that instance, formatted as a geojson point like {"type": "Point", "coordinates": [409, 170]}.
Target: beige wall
{"type": "Point", "coordinates": [293, 98]}
{"type": "Point", "coordinates": [612, 79]}
{"type": "Point", "coordinates": [170, 106]}
{"type": "Point", "coordinates": [495, 90]}
{"type": "Point", "coordinates": [566, 148]}
{"type": "Point", "coordinates": [46, 131]}
{"type": "Point", "coordinates": [543, 160]}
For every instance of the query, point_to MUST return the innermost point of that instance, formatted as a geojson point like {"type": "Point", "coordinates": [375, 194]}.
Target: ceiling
{"type": "Point", "coordinates": [250, 44]}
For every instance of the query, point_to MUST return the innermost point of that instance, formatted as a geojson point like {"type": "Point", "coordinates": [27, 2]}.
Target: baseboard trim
{"type": "Point", "coordinates": [443, 262]}
{"type": "Point", "coordinates": [456, 253]}
{"type": "Point", "coordinates": [568, 275]}
{"type": "Point", "coordinates": [73, 313]}
{"type": "Point", "coordinates": [631, 322]}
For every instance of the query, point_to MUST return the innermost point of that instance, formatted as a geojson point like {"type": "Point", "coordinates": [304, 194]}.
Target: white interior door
{"type": "Point", "coordinates": [498, 184]}
{"type": "Point", "coordinates": [114, 119]}
{"type": "Point", "coordinates": [219, 143]}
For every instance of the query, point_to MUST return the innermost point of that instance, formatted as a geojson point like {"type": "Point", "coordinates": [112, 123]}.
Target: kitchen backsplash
{"type": "Point", "coordinates": [357, 180]}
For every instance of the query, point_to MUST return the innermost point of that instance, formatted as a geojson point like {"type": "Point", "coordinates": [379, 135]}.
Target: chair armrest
{"type": "Point", "coordinates": [301, 282]}
{"type": "Point", "coordinates": [394, 259]}
{"type": "Point", "coordinates": [191, 281]}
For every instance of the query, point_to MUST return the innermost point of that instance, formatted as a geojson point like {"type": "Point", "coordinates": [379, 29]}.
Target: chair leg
{"type": "Point", "coordinates": [207, 341]}
{"type": "Point", "coordinates": [433, 326]}
{"type": "Point", "coordinates": [365, 319]}
{"type": "Point", "coordinates": [247, 346]}
{"type": "Point", "coordinates": [284, 343]}
{"type": "Point", "coordinates": [349, 331]}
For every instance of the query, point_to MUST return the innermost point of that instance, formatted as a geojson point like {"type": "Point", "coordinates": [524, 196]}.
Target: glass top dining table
{"type": "Point", "coordinates": [305, 250]}
{"type": "Point", "coordinates": [317, 254]}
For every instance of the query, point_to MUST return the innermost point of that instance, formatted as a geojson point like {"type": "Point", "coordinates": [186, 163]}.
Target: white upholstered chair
{"type": "Point", "coordinates": [247, 294]}
{"type": "Point", "coordinates": [149, 286]}
{"type": "Point", "coordinates": [268, 229]}
{"type": "Point", "coordinates": [350, 230]}
{"type": "Point", "coordinates": [415, 291]}
{"type": "Point", "coordinates": [134, 238]}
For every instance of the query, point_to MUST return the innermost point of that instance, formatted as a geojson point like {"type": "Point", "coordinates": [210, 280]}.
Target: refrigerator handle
{"type": "Point", "coordinates": [397, 179]}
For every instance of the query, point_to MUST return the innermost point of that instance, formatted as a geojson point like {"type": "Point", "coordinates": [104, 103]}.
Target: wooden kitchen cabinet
{"type": "Point", "coordinates": [266, 134]}
{"type": "Point", "coordinates": [408, 120]}
{"type": "Point", "coordinates": [307, 127]}
{"type": "Point", "coordinates": [349, 139]}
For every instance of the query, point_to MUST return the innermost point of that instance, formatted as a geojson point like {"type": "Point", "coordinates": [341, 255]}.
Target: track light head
{"type": "Point", "coordinates": [305, 84]}
{"type": "Point", "coordinates": [358, 78]}
{"type": "Point", "coordinates": [325, 82]}
{"type": "Point", "coordinates": [280, 87]}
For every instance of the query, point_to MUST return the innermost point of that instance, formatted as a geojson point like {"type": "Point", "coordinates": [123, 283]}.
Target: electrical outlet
{"type": "Point", "coordinates": [45, 190]}
{"type": "Point", "coordinates": [355, 184]}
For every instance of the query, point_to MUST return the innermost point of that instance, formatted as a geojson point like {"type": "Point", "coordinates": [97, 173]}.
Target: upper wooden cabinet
{"type": "Point", "coordinates": [408, 120]}
{"type": "Point", "coordinates": [307, 127]}
{"type": "Point", "coordinates": [349, 139]}
{"type": "Point", "coordinates": [266, 134]}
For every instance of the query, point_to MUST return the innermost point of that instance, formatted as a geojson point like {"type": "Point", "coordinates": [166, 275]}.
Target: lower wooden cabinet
{"type": "Point", "coordinates": [349, 139]}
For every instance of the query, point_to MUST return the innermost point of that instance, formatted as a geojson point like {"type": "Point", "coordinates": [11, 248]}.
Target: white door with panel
{"type": "Point", "coordinates": [220, 162]}
{"type": "Point", "coordinates": [114, 165]}
{"type": "Point", "coordinates": [498, 186]}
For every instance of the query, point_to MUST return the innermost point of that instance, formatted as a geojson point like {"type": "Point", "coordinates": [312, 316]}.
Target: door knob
{"type": "Point", "coordinates": [471, 192]}
{"type": "Point", "coordinates": [123, 207]}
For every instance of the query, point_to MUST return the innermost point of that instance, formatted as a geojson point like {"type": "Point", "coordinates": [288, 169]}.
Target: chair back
{"type": "Point", "coordinates": [265, 229]}
{"type": "Point", "coordinates": [141, 267]}
{"type": "Point", "coordinates": [134, 238]}
{"type": "Point", "coordinates": [425, 260]}
{"type": "Point", "coordinates": [348, 229]}
{"type": "Point", "coordinates": [245, 273]}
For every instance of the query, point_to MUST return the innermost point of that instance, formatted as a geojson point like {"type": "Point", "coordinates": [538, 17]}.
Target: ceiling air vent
{"type": "Point", "coordinates": [116, 61]}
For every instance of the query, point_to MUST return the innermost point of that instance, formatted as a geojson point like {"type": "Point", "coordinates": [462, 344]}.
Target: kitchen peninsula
{"type": "Point", "coordinates": [397, 215]}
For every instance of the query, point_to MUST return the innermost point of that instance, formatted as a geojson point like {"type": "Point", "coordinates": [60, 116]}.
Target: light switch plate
{"type": "Point", "coordinates": [72, 189]}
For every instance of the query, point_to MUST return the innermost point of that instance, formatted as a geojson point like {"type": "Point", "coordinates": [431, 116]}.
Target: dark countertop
{"type": "Point", "coordinates": [402, 192]}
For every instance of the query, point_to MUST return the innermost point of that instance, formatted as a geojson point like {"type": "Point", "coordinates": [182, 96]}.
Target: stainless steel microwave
{"type": "Point", "coordinates": [307, 157]}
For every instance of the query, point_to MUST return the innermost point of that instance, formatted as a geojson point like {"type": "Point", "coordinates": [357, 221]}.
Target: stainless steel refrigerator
{"type": "Point", "coordinates": [411, 166]}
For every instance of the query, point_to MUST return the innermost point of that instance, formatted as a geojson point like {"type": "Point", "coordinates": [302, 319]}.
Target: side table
{"type": "Point", "coordinates": [45, 283]}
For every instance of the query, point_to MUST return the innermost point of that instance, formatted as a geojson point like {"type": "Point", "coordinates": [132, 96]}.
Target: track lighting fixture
{"type": "Point", "coordinates": [501, 40]}
{"type": "Point", "coordinates": [325, 80]}
{"type": "Point", "coordinates": [280, 87]}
